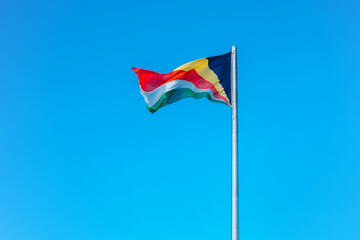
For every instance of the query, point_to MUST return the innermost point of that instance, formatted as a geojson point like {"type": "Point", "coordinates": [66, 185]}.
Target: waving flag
{"type": "Point", "coordinates": [206, 77]}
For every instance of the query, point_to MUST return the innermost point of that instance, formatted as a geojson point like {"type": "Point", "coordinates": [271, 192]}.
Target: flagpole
{"type": "Point", "coordinates": [234, 190]}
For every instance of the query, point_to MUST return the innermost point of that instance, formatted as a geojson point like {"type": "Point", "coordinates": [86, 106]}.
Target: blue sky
{"type": "Point", "coordinates": [82, 158]}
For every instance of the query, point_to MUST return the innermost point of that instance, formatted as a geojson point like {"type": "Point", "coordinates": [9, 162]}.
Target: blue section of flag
{"type": "Point", "coordinates": [221, 65]}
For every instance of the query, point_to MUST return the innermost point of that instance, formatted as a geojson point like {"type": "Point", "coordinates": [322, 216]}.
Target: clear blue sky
{"type": "Point", "coordinates": [82, 158]}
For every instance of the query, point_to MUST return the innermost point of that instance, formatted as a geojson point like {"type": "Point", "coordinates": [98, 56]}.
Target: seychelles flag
{"type": "Point", "coordinates": [206, 77]}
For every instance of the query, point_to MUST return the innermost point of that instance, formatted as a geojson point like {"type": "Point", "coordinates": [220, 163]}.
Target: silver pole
{"type": "Point", "coordinates": [234, 192]}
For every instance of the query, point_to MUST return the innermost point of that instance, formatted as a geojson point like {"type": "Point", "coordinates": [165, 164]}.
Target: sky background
{"type": "Point", "coordinates": [82, 158]}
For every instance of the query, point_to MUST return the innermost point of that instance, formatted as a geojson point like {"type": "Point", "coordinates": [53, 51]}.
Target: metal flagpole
{"type": "Point", "coordinates": [234, 191]}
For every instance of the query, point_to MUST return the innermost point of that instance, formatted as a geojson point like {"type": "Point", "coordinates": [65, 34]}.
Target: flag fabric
{"type": "Point", "coordinates": [206, 77]}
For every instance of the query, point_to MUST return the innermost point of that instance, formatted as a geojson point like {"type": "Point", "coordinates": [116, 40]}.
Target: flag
{"type": "Point", "coordinates": [206, 77]}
